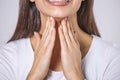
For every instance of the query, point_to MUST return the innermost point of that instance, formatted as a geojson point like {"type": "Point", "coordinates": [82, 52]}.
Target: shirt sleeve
{"type": "Point", "coordinates": [112, 71]}
{"type": "Point", "coordinates": [8, 67]}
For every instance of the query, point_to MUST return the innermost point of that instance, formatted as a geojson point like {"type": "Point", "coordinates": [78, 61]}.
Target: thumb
{"type": "Point", "coordinates": [37, 39]}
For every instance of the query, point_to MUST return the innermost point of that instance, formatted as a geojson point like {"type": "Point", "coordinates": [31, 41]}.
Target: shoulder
{"type": "Point", "coordinates": [101, 58]}
{"type": "Point", "coordinates": [11, 50]}
{"type": "Point", "coordinates": [16, 56]}
{"type": "Point", "coordinates": [13, 46]}
{"type": "Point", "coordinates": [102, 51]}
{"type": "Point", "coordinates": [9, 60]}
{"type": "Point", "coordinates": [107, 59]}
{"type": "Point", "coordinates": [104, 48]}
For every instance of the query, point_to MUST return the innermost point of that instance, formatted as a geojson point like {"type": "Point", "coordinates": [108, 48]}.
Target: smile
{"type": "Point", "coordinates": [58, 2]}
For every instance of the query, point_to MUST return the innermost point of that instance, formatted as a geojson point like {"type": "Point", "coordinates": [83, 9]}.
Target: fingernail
{"type": "Point", "coordinates": [65, 18]}
{"type": "Point", "coordinates": [34, 33]}
{"type": "Point", "coordinates": [51, 18]}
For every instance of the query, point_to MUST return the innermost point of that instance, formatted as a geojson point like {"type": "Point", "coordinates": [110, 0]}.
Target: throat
{"type": "Point", "coordinates": [56, 56]}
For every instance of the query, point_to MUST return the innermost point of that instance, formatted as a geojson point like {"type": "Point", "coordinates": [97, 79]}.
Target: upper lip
{"type": "Point", "coordinates": [59, 0]}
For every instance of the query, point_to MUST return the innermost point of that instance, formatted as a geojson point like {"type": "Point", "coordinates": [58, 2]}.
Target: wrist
{"type": "Point", "coordinates": [75, 76]}
{"type": "Point", "coordinates": [34, 77]}
{"type": "Point", "coordinates": [78, 76]}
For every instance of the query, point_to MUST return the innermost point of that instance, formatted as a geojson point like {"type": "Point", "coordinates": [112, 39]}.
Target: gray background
{"type": "Point", "coordinates": [107, 15]}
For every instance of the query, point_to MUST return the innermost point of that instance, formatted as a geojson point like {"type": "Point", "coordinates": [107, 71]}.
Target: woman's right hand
{"type": "Point", "coordinates": [43, 51]}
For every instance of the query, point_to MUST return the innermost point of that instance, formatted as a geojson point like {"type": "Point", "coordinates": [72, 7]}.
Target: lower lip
{"type": "Point", "coordinates": [57, 3]}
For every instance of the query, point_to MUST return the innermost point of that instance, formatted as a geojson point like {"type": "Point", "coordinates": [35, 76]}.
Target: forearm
{"type": "Point", "coordinates": [32, 76]}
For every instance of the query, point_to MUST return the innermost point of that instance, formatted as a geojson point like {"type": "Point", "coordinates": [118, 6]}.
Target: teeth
{"type": "Point", "coordinates": [59, 0]}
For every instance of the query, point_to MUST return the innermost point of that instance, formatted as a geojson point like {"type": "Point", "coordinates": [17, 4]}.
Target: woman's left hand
{"type": "Point", "coordinates": [70, 52]}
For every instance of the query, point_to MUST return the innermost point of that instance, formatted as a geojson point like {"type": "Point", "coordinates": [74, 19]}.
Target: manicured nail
{"type": "Point", "coordinates": [51, 18]}
{"type": "Point", "coordinates": [65, 18]}
{"type": "Point", "coordinates": [34, 33]}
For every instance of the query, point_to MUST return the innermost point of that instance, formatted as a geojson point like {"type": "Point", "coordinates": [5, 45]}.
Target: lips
{"type": "Point", "coordinates": [58, 2]}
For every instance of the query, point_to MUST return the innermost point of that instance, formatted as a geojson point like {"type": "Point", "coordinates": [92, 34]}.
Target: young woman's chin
{"type": "Point", "coordinates": [58, 15]}
{"type": "Point", "coordinates": [58, 8]}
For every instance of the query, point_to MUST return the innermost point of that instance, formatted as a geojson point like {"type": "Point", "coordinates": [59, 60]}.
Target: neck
{"type": "Point", "coordinates": [83, 38]}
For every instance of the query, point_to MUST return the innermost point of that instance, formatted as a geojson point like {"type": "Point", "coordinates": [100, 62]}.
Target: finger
{"type": "Point", "coordinates": [38, 38]}
{"type": "Point", "coordinates": [76, 39]}
{"type": "Point", "coordinates": [46, 32]}
{"type": "Point", "coordinates": [72, 34]}
{"type": "Point", "coordinates": [52, 25]}
{"type": "Point", "coordinates": [52, 40]}
{"type": "Point", "coordinates": [75, 35]}
{"type": "Point", "coordinates": [46, 27]}
{"type": "Point", "coordinates": [69, 23]}
{"type": "Point", "coordinates": [65, 31]}
{"type": "Point", "coordinates": [62, 38]}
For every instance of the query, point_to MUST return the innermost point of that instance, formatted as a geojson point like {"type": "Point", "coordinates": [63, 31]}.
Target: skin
{"type": "Point", "coordinates": [60, 44]}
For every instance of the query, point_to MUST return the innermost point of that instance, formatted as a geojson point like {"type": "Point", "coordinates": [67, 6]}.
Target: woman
{"type": "Point", "coordinates": [58, 40]}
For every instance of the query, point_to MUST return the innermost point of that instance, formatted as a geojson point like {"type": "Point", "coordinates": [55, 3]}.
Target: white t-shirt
{"type": "Point", "coordinates": [102, 61]}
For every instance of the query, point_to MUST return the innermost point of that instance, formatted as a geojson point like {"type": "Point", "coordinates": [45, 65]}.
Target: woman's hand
{"type": "Point", "coordinates": [43, 52]}
{"type": "Point", "coordinates": [70, 52]}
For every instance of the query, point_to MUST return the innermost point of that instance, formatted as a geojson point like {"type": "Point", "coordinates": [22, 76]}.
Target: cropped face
{"type": "Point", "coordinates": [58, 8]}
